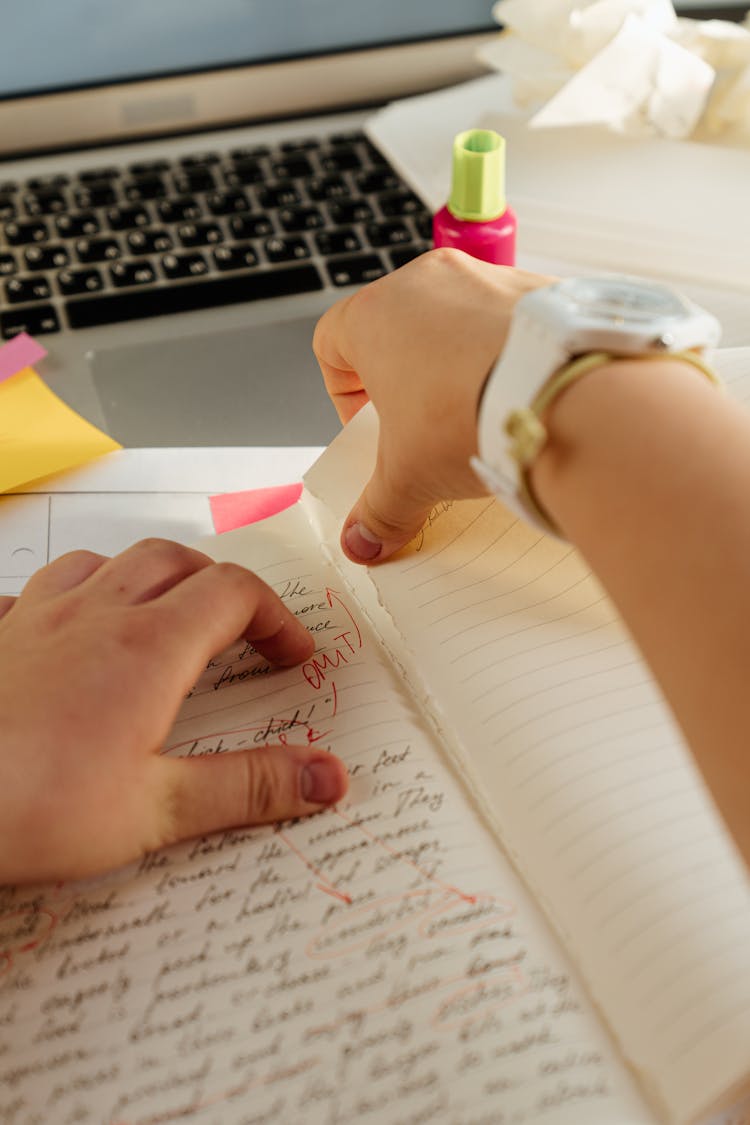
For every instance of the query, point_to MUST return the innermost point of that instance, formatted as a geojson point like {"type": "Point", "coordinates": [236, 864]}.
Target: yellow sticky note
{"type": "Point", "coordinates": [40, 434]}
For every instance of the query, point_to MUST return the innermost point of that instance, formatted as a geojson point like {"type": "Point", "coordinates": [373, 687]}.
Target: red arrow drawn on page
{"type": "Point", "coordinates": [333, 596]}
{"type": "Point", "coordinates": [405, 859]}
{"type": "Point", "coordinates": [323, 885]}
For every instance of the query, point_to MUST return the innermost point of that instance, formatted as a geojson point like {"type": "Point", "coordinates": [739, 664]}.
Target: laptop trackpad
{"type": "Point", "coordinates": [258, 385]}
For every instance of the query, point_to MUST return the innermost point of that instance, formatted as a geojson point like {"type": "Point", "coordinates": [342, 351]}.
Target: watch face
{"type": "Point", "coordinates": [620, 301]}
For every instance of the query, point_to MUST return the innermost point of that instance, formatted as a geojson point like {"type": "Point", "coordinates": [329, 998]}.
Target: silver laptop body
{"type": "Point", "coordinates": [176, 211]}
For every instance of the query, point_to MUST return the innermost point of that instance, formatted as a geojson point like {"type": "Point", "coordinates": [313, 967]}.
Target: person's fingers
{"type": "Point", "coordinates": [342, 382]}
{"type": "Point", "coordinates": [388, 514]}
{"type": "Point", "coordinates": [211, 608]}
{"type": "Point", "coordinates": [7, 601]}
{"type": "Point", "coordinates": [146, 570]}
{"type": "Point", "coordinates": [202, 795]}
{"type": "Point", "coordinates": [348, 403]}
{"type": "Point", "coordinates": [63, 574]}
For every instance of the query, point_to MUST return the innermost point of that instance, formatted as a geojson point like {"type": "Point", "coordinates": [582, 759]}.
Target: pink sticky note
{"type": "Point", "coordinates": [22, 351]}
{"type": "Point", "coordinates": [237, 509]}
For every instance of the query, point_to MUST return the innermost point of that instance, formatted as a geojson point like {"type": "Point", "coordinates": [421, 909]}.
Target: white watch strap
{"type": "Point", "coordinates": [530, 356]}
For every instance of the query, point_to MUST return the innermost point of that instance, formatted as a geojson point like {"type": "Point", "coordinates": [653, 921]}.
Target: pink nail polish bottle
{"type": "Point", "coordinates": [476, 218]}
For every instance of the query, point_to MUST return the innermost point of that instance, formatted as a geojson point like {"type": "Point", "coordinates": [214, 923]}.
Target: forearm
{"type": "Point", "coordinates": [647, 471]}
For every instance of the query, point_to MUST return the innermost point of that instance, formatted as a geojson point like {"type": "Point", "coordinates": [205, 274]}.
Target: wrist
{"type": "Point", "coordinates": [561, 334]}
{"type": "Point", "coordinates": [595, 425]}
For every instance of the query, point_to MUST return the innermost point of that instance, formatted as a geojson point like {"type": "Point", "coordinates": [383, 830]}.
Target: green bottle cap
{"type": "Point", "coordinates": [478, 184]}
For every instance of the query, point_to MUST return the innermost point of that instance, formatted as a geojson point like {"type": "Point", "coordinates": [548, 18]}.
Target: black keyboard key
{"type": "Point", "coordinates": [351, 211]}
{"type": "Point", "coordinates": [249, 152]}
{"type": "Point", "coordinates": [288, 249]}
{"type": "Point", "coordinates": [97, 249]}
{"type": "Point", "coordinates": [114, 308]}
{"type": "Point", "coordinates": [346, 138]}
{"type": "Point", "coordinates": [144, 187]}
{"type": "Point", "coordinates": [235, 257]}
{"type": "Point", "coordinates": [343, 159]}
{"type": "Point", "coordinates": [423, 223]}
{"type": "Point", "coordinates": [49, 257]}
{"type": "Point", "coordinates": [355, 270]}
{"type": "Point", "coordinates": [92, 175]}
{"type": "Point", "coordinates": [200, 159]}
{"type": "Point", "coordinates": [328, 187]}
{"type": "Point", "coordinates": [7, 208]}
{"type": "Point", "coordinates": [377, 179]}
{"type": "Point", "coordinates": [72, 281]}
{"type": "Point", "coordinates": [301, 218]}
{"type": "Point", "coordinates": [184, 265]}
{"type": "Point", "coordinates": [294, 166]}
{"type": "Point", "coordinates": [77, 224]}
{"type": "Point", "coordinates": [126, 217]}
{"type": "Point", "coordinates": [307, 144]}
{"type": "Point", "coordinates": [406, 254]}
{"type": "Point", "coordinates": [24, 290]}
{"type": "Point", "coordinates": [99, 193]}
{"type": "Point", "coordinates": [250, 226]}
{"type": "Point", "coordinates": [341, 241]}
{"type": "Point", "coordinates": [37, 320]}
{"type": "Point", "coordinates": [375, 156]}
{"type": "Point", "coordinates": [149, 167]}
{"type": "Point", "coordinates": [46, 201]}
{"type": "Point", "coordinates": [148, 241]}
{"type": "Point", "coordinates": [42, 183]}
{"type": "Point", "coordinates": [8, 264]}
{"type": "Point", "coordinates": [279, 195]}
{"type": "Point", "coordinates": [21, 234]}
{"type": "Point", "coordinates": [132, 273]}
{"type": "Point", "coordinates": [227, 202]}
{"type": "Point", "coordinates": [391, 233]}
{"type": "Point", "coordinates": [199, 234]}
{"type": "Point", "coordinates": [181, 210]}
{"type": "Point", "coordinates": [191, 180]}
{"type": "Point", "coordinates": [400, 203]}
{"type": "Point", "coordinates": [243, 172]}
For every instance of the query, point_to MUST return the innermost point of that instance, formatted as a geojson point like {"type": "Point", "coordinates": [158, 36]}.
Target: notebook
{"type": "Point", "coordinates": [526, 910]}
{"type": "Point", "coordinates": [185, 187]}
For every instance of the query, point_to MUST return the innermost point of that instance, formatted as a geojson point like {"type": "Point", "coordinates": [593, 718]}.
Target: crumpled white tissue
{"type": "Point", "coordinates": [631, 66]}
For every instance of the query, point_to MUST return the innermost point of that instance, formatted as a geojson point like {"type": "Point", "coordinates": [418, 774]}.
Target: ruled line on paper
{"type": "Point", "coordinates": [698, 1037]}
{"type": "Point", "coordinates": [589, 721]}
{"type": "Point", "coordinates": [589, 772]}
{"type": "Point", "coordinates": [613, 817]}
{"type": "Point", "coordinates": [645, 961]}
{"type": "Point", "coordinates": [547, 689]}
{"type": "Point", "coordinates": [550, 622]}
{"type": "Point", "coordinates": [669, 915]}
{"type": "Point", "coordinates": [501, 595]}
{"type": "Point", "coordinates": [678, 845]}
{"type": "Point", "coordinates": [605, 854]}
{"type": "Point", "coordinates": [424, 560]}
{"type": "Point", "coordinates": [470, 562]}
{"type": "Point", "coordinates": [542, 646]}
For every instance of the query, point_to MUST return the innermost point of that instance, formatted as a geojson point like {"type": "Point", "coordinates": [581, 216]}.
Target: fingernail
{"type": "Point", "coordinates": [321, 782]}
{"type": "Point", "coordinates": [362, 543]}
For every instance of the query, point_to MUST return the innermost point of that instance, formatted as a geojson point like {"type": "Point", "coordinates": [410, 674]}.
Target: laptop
{"type": "Point", "coordinates": [185, 187]}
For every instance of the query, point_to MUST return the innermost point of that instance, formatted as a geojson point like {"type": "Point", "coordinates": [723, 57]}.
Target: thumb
{"type": "Point", "coordinates": [244, 787]}
{"type": "Point", "coordinates": [384, 519]}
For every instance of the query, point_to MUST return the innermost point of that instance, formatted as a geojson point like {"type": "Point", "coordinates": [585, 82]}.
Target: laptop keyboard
{"type": "Point", "coordinates": [115, 244]}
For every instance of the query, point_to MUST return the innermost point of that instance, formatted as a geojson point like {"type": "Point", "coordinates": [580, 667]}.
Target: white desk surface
{"type": "Point", "coordinates": [130, 495]}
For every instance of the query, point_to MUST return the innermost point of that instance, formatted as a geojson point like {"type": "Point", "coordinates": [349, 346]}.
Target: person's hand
{"type": "Point", "coordinates": [96, 656]}
{"type": "Point", "coordinates": [420, 344]}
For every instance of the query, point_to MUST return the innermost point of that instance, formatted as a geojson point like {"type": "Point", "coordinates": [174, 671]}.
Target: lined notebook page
{"type": "Point", "coordinates": [378, 962]}
{"type": "Point", "coordinates": [568, 747]}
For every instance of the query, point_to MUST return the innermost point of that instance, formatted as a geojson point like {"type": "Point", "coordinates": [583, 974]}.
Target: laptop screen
{"type": "Point", "coordinates": [53, 45]}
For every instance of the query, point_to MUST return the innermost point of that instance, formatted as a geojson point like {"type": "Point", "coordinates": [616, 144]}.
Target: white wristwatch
{"type": "Point", "coordinates": [621, 316]}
